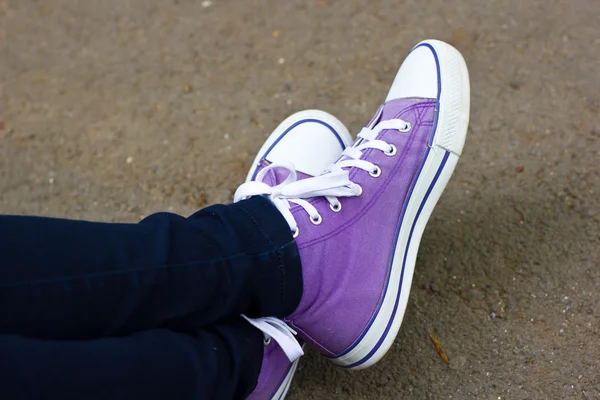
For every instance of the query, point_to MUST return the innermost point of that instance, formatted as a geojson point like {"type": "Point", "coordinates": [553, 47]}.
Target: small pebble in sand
{"type": "Point", "coordinates": [206, 4]}
{"type": "Point", "coordinates": [129, 160]}
{"type": "Point", "coordinates": [281, 61]}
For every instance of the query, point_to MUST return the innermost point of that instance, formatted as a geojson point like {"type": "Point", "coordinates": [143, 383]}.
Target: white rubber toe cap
{"type": "Point", "coordinates": [310, 139]}
{"type": "Point", "coordinates": [417, 76]}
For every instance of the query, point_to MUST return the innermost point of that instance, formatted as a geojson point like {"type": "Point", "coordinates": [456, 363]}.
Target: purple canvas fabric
{"type": "Point", "coordinates": [275, 367]}
{"type": "Point", "coordinates": [346, 258]}
{"type": "Point", "coordinates": [277, 175]}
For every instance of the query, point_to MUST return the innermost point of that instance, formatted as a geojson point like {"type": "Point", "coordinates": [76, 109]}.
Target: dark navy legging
{"type": "Point", "coordinates": [142, 311]}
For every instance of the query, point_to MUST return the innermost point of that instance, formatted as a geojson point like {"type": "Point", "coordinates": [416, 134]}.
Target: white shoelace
{"type": "Point", "coordinates": [334, 183]}
{"type": "Point", "coordinates": [276, 329]}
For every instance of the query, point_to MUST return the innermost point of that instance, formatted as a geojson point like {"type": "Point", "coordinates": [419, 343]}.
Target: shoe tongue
{"type": "Point", "coordinates": [377, 117]}
{"type": "Point", "coordinates": [392, 109]}
{"type": "Point", "coordinates": [281, 174]}
{"type": "Point", "coordinates": [277, 175]}
{"type": "Point", "coordinates": [389, 110]}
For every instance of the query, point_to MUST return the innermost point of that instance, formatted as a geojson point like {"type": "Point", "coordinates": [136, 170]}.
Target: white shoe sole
{"type": "Point", "coordinates": [445, 147]}
{"type": "Point", "coordinates": [285, 384]}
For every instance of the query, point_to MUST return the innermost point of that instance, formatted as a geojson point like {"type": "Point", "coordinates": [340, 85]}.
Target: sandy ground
{"type": "Point", "coordinates": [111, 110]}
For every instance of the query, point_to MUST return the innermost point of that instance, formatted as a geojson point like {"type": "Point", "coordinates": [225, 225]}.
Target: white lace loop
{"type": "Point", "coordinates": [334, 183]}
{"type": "Point", "coordinates": [293, 191]}
{"type": "Point", "coordinates": [279, 331]}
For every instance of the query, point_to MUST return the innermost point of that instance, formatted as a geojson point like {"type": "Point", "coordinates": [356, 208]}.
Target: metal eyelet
{"type": "Point", "coordinates": [336, 208]}
{"type": "Point", "coordinates": [296, 233]}
{"type": "Point", "coordinates": [267, 341]}
{"type": "Point", "coordinates": [392, 151]}
{"type": "Point", "coordinates": [316, 221]}
{"type": "Point", "coordinates": [376, 173]}
{"type": "Point", "coordinates": [406, 128]}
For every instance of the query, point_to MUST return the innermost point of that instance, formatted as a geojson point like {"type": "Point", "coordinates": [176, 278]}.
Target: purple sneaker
{"type": "Point", "coordinates": [310, 140]}
{"type": "Point", "coordinates": [358, 252]}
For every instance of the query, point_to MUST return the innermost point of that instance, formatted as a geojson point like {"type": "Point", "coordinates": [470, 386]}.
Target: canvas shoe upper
{"type": "Point", "coordinates": [359, 225]}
